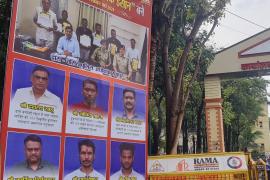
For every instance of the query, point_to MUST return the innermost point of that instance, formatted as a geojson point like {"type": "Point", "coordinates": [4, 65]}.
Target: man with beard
{"type": "Point", "coordinates": [129, 100]}
{"type": "Point", "coordinates": [126, 160]}
{"type": "Point", "coordinates": [87, 156]}
{"type": "Point", "coordinates": [33, 166]}
{"type": "Point", "coordinates": [89, 92]}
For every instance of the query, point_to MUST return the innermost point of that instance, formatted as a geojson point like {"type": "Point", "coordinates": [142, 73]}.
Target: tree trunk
{"type": "Point", "coordinates": [237, 134]}
{"type": "Point", "coordinates": [185, 137]}
{"type": "Point", "coordinates": [153, 58]}
{"type": "Point", "coordinates": [178, 103]}
{"type": "Point", "coordinates": [157, 126]}
{"type": "Point", "coordinates": [199, 126]}
{"type": "Point", "coordinates": [155, 138]}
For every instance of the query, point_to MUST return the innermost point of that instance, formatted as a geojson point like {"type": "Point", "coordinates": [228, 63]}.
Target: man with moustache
{"type": "Point", "coordinates": [36, 95]}
{"type": "Point", "coordinates": [129, 100]}
{"type": "Point", "coordinates": [67, 45]}
{"type": "Point", "coordinates": [126, 159]}
{"type": "Point", "coordinates": [33, 166]}
{"type": "Point", "coordinates": [87, 156]}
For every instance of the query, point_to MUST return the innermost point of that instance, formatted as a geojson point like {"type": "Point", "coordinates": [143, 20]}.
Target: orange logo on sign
{"type": "Point", "coordinates": [182, 166]}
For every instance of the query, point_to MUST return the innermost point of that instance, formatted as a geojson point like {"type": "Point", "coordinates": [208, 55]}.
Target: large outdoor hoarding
{"type": "Point", "coordinates": [76, 90]}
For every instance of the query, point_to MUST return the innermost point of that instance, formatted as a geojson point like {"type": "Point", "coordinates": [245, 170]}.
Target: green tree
{"type": "Point", "coordinates": [178, 37]}
{"type": "Point", "coordinates": [243, 100]}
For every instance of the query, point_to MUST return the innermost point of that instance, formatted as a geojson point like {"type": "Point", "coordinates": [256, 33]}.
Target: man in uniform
{"type": "Point", "coordinates": [122, 64]}
{"type": "Point", "coordinates": [101, 56]}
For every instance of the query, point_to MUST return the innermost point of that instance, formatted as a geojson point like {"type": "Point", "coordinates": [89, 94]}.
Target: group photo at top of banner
{"type": "Point", "coordinates": [77, 34]}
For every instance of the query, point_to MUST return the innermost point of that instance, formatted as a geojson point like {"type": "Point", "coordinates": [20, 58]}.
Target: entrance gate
{"type": "Point", "coordinates": [250, 57]}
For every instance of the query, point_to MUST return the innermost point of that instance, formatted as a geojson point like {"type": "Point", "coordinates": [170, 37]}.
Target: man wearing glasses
{"type": "Point", "coordinates": [36, 106]}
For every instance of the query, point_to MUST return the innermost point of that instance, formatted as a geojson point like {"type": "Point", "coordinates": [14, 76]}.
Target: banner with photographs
{"type": "Point", "coordinates": [76, 90]}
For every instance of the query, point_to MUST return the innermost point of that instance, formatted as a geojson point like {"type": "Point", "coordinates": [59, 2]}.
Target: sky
{"type": "Point", "coordinates": [233, 29]}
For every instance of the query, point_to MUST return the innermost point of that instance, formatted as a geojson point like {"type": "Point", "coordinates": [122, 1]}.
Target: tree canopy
{"type": "Point", "coordinates": [178, 42]}
{"type": "Point", "coordinates": [243, 102]}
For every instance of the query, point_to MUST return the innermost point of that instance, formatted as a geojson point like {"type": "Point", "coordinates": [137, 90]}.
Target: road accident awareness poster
{"type": "Point", "coordinates": [76, 89]}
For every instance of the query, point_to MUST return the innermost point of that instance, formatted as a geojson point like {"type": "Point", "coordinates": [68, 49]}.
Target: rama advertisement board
{"type": "Point", "coordinates": [197, 164]}
{"type": "Point", "coordinates": [76, 90]}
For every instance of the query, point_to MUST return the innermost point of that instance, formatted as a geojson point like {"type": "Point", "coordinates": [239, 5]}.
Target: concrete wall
{"type": "Point", "coordinates": [25, 16]}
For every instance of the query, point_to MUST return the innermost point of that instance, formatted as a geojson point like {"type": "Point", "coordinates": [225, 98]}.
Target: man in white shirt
{"type": "Point", "coordinates": [35, 107]}
{"type": "Point", "coordinates": [134, 58]}
{"type": "Point", "coordinates": [127, 159]}
{"type": "Point", "coordinates": [87, 156]}
{"type": "Point", "coordinates": [46, 22]}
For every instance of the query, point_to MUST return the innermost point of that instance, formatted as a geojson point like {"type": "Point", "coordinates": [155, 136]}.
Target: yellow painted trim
{"type": "Point", "coordinates": [196, 173]}
{"type": "Point", "coordinates": [194, 155]}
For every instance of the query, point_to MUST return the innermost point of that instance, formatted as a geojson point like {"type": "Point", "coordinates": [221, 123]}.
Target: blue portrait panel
{"type": "Point", "coordinates": [128, 119]}
{"type": "Point", "coordinates": [32, 155]}
{"type": "Point", "coordinates": [37, 96]}
{"type": "Point", "coordinates": [83, 153]}
{"type": "Point", "coordinates": [131, 156]}
{"type": "Point", "coordinates": [88, 106]}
